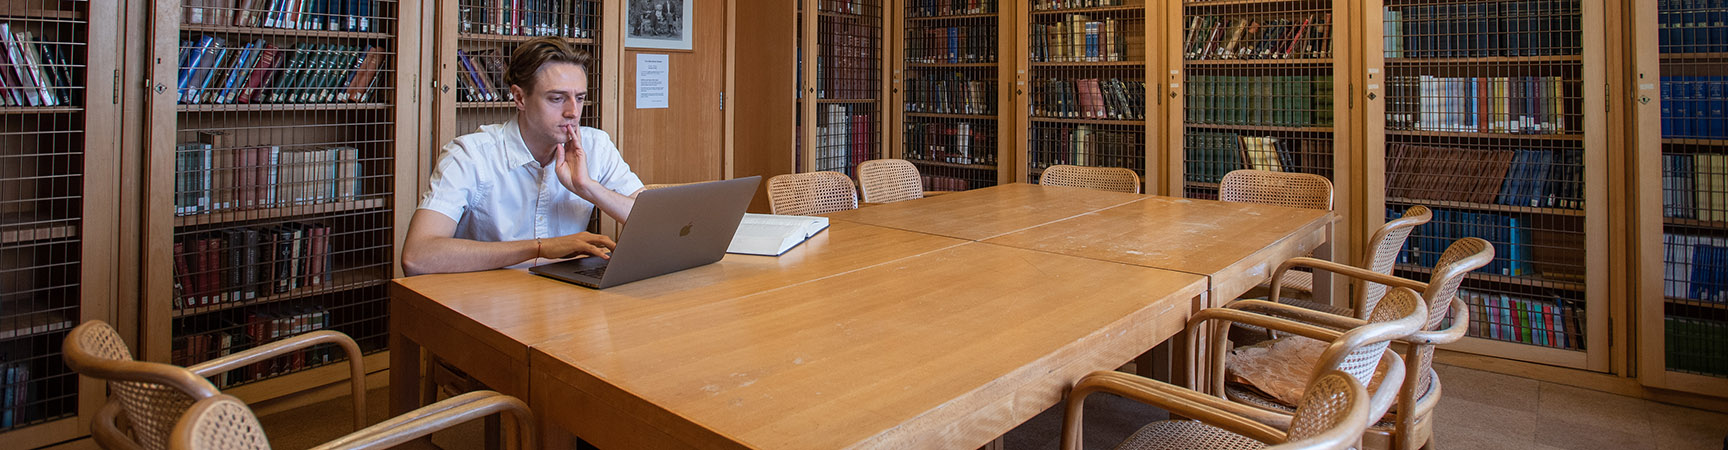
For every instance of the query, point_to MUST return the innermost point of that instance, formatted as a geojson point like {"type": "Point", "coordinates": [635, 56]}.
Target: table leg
{"type": "Point", "coordinates": [405, 386]}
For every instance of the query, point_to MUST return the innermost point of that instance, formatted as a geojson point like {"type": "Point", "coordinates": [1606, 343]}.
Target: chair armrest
{"type": "Point", "coordinates": [1460, 324]}
{"type": "Point", "coordinates": [1341, 269]}
{"type": "Point", "coordinates": [107, 430]}
{"type": "Point", "coordinates": [1234, 417]}
{"type": "Point", "coordinates": [356, 366]}
{"type": "Point", "coordinates": [1220, 338]}
{"type": "Point", "coordinates": [1321, 318]}
{"type": "Point", "coordinates": [439, 416]}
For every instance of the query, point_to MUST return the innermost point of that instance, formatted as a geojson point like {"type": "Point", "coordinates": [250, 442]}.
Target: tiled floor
{"type": "Point", "coordinates": [1479, 410]}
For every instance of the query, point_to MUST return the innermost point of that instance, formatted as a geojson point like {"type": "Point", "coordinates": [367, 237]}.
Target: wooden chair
{"type": "Point", "coordinates": [1410, 425]}
{"type": "Point", "coordinates": [222, 422]}
{"type": "Point", "coordinates": [1114, 179]}
{"type": "Point", "coordinates": [811, 193]}
{"type": "Point", "coordinates": [1295, 190]}
{"type": "Point", "coordinates": [1335, 406]}
{"type": "Point", "coordinates": [1380, 256]}
{"type": "Point", "coordinates": [889, 180]}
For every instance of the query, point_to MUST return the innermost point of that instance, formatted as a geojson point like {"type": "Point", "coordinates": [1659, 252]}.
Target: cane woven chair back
{"type": "Point", "coordinates": [1360, 363]}
{"type": "Point", "coordinates": [1334, 409]}
{"type": "Point", "coordinates": [889, 180]}
{"type": "Point", "coordinates": [1101, 178]}
{"type": "Point", "coordinates": [152, 395]}
{"type": "Point", "coordinates": [811, 193]}
{"type": "Point", "coordinates": [1383, 250]}
{"type": "Point", "coordinates": [221, 422]}
{"type": "Point", "coordinates": [1295, 190]}
{"type": "Point", "coordinates": [1459, 259]}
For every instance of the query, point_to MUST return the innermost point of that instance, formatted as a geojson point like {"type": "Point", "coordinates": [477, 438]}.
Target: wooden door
{"type": "Point", "coordinates": [683, 142]}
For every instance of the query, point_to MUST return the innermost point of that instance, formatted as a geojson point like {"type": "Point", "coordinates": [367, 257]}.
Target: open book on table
{"type": "Point", "coordinates": [772, 235]}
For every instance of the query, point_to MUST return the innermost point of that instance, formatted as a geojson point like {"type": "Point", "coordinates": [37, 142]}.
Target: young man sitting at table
{"type": "Point", "coordinates": [515, 192]}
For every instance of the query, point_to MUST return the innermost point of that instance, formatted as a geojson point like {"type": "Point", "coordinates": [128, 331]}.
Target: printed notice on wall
{"type": "Point", "coordinates": [651, 85]}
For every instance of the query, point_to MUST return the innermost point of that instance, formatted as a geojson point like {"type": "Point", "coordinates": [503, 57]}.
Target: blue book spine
{"type": "Point", "coordinates": [1718, 93]}
{"type": "Point", "coordinates": [1667, 107]}
{"type": "Point", "coordinates": [190, 69]}
{"type": "Point", "coordinates": [1700, 106]}
{"type": "Point", "coordinates": [953, 44]}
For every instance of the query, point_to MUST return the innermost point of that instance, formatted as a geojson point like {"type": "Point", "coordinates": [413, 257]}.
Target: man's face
{"type": "Point", "coordinates": [555, 103]}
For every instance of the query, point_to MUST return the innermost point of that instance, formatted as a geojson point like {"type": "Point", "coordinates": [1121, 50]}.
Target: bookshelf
{"type": "Point", "coordinates": [1478, 110]}
{"type": "Point", "coordinates": [1085, 87]}
{"type": "Point", "coordinates": [842, 64]}
{"type": "Point", "coordinates": [57, 194]}
{"type": "Point", "coordinates": [954, 122]}
{"type": "Point", "coordinates": [272, 191]}
{"type": "Point", "coordinates": [1683, 226]}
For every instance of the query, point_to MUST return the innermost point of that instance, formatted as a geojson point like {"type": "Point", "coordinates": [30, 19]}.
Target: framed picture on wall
{"type": "Point", "coordinates": [658, 24]}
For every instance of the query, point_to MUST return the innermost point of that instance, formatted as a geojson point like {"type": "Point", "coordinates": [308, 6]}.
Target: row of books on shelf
{"type": "Point", "coordinates": [1695, 345]}
{"type": "Point", "coordinates": [951, 45]}
{"type": "Point", "coordinates": [950, 95]}
{"type": "Point", "coordinates": [1284, 100]}
{"type": "Point", "coordinates": [845, 138]}
{"type": "Point", "coordinates": [480, 76]}
{"type": "Point", "coordinates": [1286, 36]}
{"type": "Point", "coordinates": [241, 264]}
{"type": "Point", "coordinates": [1538, 178]}
{"type": "Point", "coordinates": [847, 66]}
{"type": "Point", "coordinates": [945, 183]}
{"type": "Point", "coordinates": [1052, 5]}
{"type": "Point", "coordinates": [331, 15]}
{"type": "Point", "coordinates": [939, 8]}
{"type": "Point", "coordinates": [1484, 29]}
{"type": "Point", "coordinates": [1078, 38]}
{"type": "Point", "coordinates": [1517, 105]}
{"type": "Point", "coordinates": [1693, 107]}
{"type": "Point", "coordinates": [1509, 233]}
{"type": "Point", "coordinates": [1692, 26]}
{"type": "Point", "coordinates": [36, 73]}
{"type": "Point", "coordinates": [1551, 322]}
{"type": "Point", "coordinates": [1210, 155]}
{"type": "Point", "coordinates": [1695, 267]}
{"type": "Point", "coordinates": [207, 179]}
{"type": "Point", "coordinates": [1085, 145]}
{"type": "Point", "coordinates": [14, 392]}
{"type": "Point", "coordinates": [214, 72]}
{"type": "Point", "coordinates": [260, 327]}
{"type": "Point", "coordinates": [568, 18]}
{"type": "Point", "coordinates": [957, 142]}
{"type": "Point", "coordinates": [1089, 98]}
{"type": "Point", "coordinates": [850, 7]}
{"type": "Point", "coordinates": [1695, 186]}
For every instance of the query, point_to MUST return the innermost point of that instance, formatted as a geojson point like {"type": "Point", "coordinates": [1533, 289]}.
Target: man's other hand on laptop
{"type": "Point", "coordinates": [573, 245]}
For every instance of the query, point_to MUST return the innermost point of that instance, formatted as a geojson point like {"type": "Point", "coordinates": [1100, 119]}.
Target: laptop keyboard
{"type": "Point", "coordinates": [595, 272]}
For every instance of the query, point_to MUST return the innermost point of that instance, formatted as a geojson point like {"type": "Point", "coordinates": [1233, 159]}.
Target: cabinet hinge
{"type": "Point", "coordinates": [1350, 92]}
{"type": "Point", "coordinates": [1607, 99]}
{"type": "Point", "coordinates": [416, 84]}
{"type": "Point", "coordinates": [116, 97]}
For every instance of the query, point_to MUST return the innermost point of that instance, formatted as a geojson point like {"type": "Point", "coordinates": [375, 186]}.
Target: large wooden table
{"type": "Point", "coordinates": [866, 336]}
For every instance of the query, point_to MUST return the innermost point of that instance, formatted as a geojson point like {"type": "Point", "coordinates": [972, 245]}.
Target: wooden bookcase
{"type": "Point", "coordinates": [276, 210]}
{"type": "Point", "coordinates": [1085, 98]}
{"type": "Point", "coordinates": [955, 118]}
{"type": "Point", "coordinates": [58, 191]}
{"type": "Point", "coordinates": [842, 65]}
{"type": "Point", "coordinates": [1488, 113]}
{"type": "Point", "coordinates": [1681, 138]}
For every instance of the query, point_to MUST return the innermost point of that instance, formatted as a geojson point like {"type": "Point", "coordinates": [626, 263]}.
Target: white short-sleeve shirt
{"type": "Point", "coordinates": [489, 183]}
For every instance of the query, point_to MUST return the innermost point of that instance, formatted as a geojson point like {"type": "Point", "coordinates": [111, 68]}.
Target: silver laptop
{"type": "Point", "coordinates": [670, 229]}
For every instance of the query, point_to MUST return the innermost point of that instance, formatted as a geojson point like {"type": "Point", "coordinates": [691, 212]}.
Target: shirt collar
{"type": "Point", "coordinates": [515, 148]}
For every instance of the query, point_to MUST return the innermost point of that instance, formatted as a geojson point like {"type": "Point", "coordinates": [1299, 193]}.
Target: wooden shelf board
{"type": "Point", "coordinates": [29, 233]}
{"type": "Point", "coordinates": [1690, 303]}
{"type": "Point", "coordinates": [1088, 63]}
{"type": "Point", "coordinates": [1258, 128]}
{"type": "Point", "coordinates": [1485, 60]}
{"type": "Point", "coordinates": [1694, 223]}
{"type": "Point", "coordinates": [259, 31]}
{"type": "Point", "coordinates": [1259, 62]}
{"type": "Point", "coordinates": [483, 37]}
{"type": "Point", "coordinates": [952, 165]}
{"type": "Point", "coordinates": [34, 324]}
{"type": "Point", "coordinates": [952, 116]}
{"type": "Point", "coordinates": [1089, 121]}
{"type": "Point", "coordinates": [856, 101]}
{"type": "Point", "coordinates": [28, 13]}
{"type": "Point", "coordinates": [1691, 141]}
{"type": "Point", "coordinates": [341, 282]}
{"type": "Point", "coordinates": [1462, 134]}
{"type": "Point", "coordinates": [484, 105]}
{"type": "Point", "coordinates": [1199, 185]}
{"type": "Point", "coordinates": [956, 16]}
{"type": "Point", "coordinates": [919, 65]}
{"type": "Point", "coordinates": [271, 107]}
{"type": "Point", "coordinates": [276, 213]}
{"type": "Point", "coordinates": [1486, 207]}
{"type": "Point", "coordinates": [1099, 9]}
{"type": "Point", "coordinates": [1520, 281]}
{"type": "Point", "coordinates": [842, 15]}
{"type": "Point", "coordinates": [40, 109]}
{"type": "Point", "coordinates": [1693, 56]}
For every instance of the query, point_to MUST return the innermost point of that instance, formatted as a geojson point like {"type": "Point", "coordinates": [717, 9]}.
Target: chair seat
{"type": "Point", "coordinates": [1281, 368]}
{"type": "Point", "coordinates": [1317, 306]}
{"type": "Point", "coordinates": [1186, 434]}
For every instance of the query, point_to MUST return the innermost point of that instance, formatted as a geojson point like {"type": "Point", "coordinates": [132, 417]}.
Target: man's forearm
{"type": "Point", "coordinates": [612, 203]}
{"type": "Point", "coordinates": [447, 255]}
